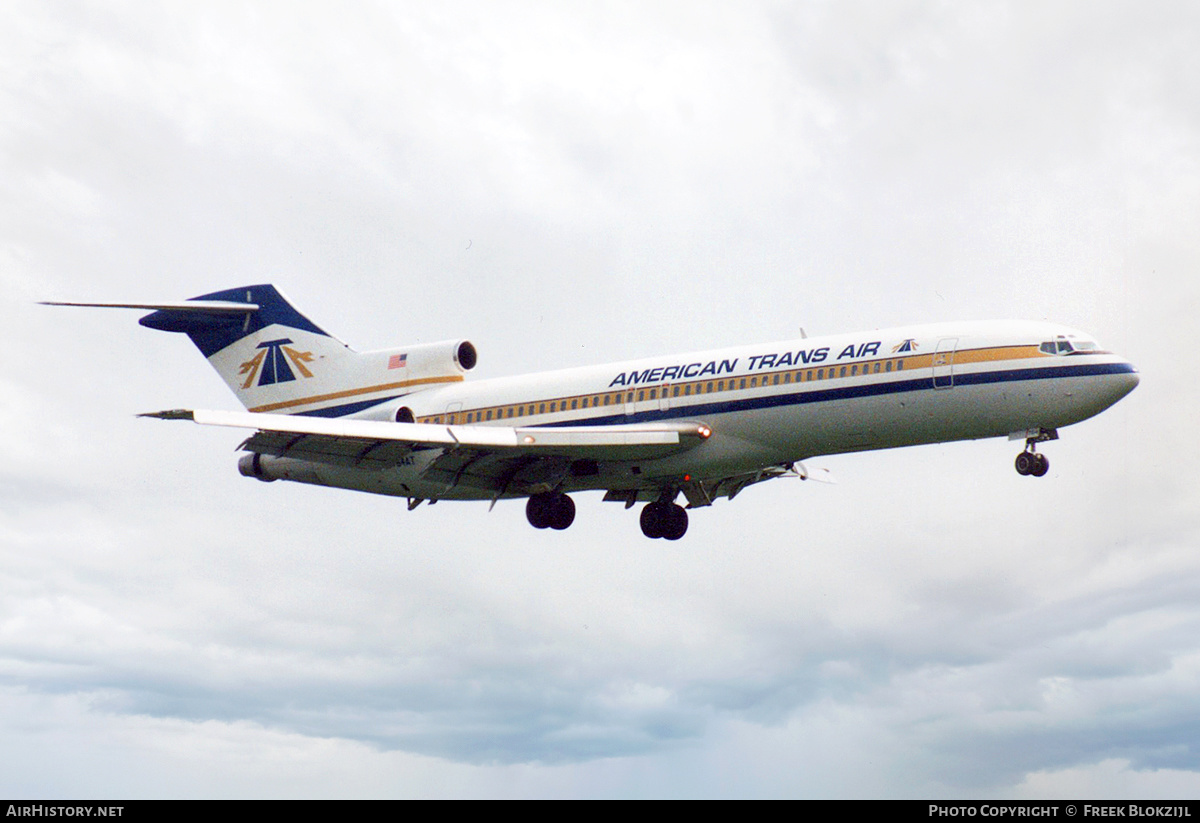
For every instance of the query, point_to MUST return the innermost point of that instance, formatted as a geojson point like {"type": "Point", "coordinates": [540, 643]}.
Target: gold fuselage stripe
{"type": "Point", "coordinates": [338, 395]}
{"type": "Point", "coordinates": [689, 388]}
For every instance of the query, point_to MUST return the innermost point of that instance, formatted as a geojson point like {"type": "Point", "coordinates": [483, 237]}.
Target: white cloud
{"type": "Point", "coordinates": [569, 186]}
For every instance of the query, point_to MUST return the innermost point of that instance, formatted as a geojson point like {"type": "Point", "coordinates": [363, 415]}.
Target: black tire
{"type": "Point", "coordinates": [1040, 465]}
{"type": "Point", "coordinates": [562, 512]}
{"type": "Point", "coordinates": [537, 511]}
{"type": "Point", "coordinates": [1026, 462]}
{"type": "Point", "coordinates": [676, 522]}
{"type": "Point", "coordinates": [652, 520]}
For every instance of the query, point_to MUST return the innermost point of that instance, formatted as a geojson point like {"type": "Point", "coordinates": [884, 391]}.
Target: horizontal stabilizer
{"type": "Point", "coordinates": [200, 306]}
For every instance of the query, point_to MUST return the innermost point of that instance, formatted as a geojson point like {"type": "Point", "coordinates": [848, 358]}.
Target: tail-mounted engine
{"type": "Point", "coordinates": [414, 368]}
{"type": "Point", "coordinates": [431, 360]}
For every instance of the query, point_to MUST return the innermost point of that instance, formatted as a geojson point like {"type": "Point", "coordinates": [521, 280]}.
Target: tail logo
{"type": "Point", "coordinates": [271, 364]}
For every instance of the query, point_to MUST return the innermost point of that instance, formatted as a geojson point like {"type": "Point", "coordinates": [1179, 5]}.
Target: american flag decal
{"type": "Point", "coordinates": [398, 361]}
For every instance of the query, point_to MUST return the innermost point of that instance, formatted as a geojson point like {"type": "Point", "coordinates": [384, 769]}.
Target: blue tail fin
{"type": "Point", "coordinates": [213, 331]}
{"type": "Point", "coordinates": [270, 355]}
{"type": "Point", "coordinates": [277, 360]}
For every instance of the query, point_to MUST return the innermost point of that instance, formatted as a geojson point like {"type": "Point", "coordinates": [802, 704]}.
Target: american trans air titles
{"type": "Point", "coordinates": [662, 374]}
{"type": "Point", "coordinates": [675, 434]}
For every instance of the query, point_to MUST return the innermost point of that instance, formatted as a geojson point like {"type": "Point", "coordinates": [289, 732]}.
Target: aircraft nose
{"type": "Point", "coordinates": [1125, 381]}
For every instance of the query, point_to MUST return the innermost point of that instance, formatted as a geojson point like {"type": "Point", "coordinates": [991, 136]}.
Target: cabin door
{"type": "Point", "coordinates": [943, 363]}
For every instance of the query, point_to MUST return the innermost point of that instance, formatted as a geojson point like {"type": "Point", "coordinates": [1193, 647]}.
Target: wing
{"type": "Point", "coordinates": [496, 459]}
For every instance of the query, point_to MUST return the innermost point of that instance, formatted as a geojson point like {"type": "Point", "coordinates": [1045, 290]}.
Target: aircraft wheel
{"type": "Point", "coordinates": [562, 512]}
{"type": "Point", "coordinates": [675, 523]}
{"type": "Point", "coordinates": [1026, 462]}
{"type": "Point", "coordinates": [652, 520]}
{"type": "Point", "coordinates": [1040, 465]}
{"type": "Point", "coordinates": [538, 511]}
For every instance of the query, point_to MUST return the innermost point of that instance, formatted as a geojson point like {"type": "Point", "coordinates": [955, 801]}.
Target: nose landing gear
{"type": "Point", "coordinates": [1029, 462]}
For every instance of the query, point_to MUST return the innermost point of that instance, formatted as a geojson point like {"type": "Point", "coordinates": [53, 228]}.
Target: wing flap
{"type": "Point", "coordinates": [350, 452]}
{"type": "Point", "coordinates": [346, 441]}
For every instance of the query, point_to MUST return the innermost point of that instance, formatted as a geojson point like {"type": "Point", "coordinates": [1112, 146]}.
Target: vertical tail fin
{"type": "Point", "coordinates": [270, 355]}
{"type": "Point", "coordinates": [277, 360]}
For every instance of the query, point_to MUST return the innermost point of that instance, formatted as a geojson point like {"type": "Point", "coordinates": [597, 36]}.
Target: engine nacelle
{"type": "Point", "coordinates": [442, 359]}
{"type": "Point", "coordinates": [268, 468]}
{"type": "Point", "coordinates": [421, 367]}
{"type": "Point", "coordinates": [250, 465]}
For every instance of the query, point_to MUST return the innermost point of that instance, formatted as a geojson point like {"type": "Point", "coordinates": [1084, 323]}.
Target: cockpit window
{"type": "Point", "coordinates": [1061, 345]}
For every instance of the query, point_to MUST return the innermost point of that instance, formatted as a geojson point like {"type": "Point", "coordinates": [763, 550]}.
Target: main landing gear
{"type": "Point", "coordinates": [664, 519]}
{"type": "Point", "coordinates": [552, 510]}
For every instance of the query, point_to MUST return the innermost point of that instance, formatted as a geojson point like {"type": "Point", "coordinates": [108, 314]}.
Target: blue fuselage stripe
{"type": "Point", "coordinates": [849, 392]}
{"type": "Point", "coordinates": [807, 395]}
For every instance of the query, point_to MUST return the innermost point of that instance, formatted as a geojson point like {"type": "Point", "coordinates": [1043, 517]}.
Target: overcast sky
{"type": "Point", "coordinates": [567, 184]}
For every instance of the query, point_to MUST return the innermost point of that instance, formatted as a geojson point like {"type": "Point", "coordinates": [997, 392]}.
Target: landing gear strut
{"type": "Point", "coordinates": [552, 510]}
{"type": "Point", "coordinates": [664, 519]}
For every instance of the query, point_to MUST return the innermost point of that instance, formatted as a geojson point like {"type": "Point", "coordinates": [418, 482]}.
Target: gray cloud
{"type": "Point", "coordinates": [567, 187]}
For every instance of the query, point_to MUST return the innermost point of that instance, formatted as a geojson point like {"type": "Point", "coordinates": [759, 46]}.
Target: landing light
{"type": "Point", "coordinates": [704, 431]}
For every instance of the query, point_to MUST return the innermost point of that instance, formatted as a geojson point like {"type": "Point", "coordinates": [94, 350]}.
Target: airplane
{"type": "Point", "coordinates": [704, 425]}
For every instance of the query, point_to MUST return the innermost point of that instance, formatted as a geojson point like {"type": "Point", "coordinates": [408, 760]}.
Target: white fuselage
{"type": "Point", "coordinates": [769, 405]}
